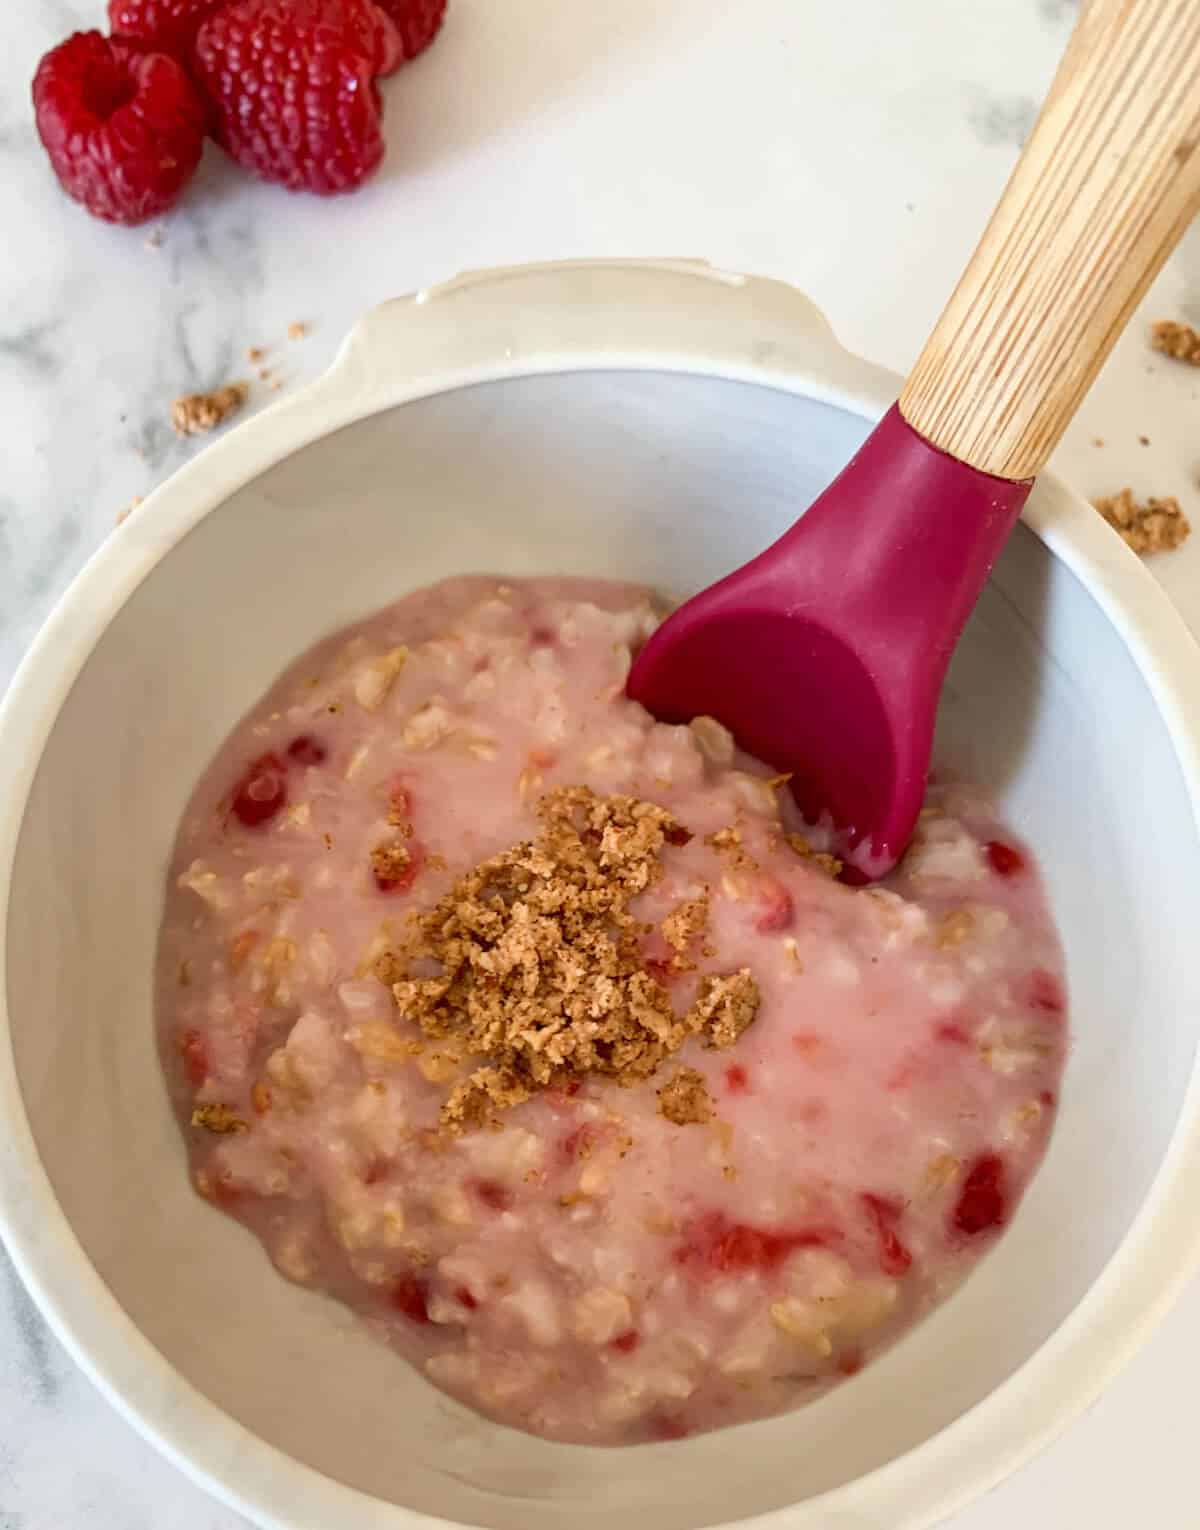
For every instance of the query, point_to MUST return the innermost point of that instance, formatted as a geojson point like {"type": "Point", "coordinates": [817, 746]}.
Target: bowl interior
{"type": "Point", "coordinates": [652, 476]}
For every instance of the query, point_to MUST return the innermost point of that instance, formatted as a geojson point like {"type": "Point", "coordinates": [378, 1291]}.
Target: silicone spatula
{"type": "Point", "coordinates": [825, 655]}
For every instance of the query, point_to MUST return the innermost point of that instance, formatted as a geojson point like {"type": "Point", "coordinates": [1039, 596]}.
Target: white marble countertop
{"type": "Point", "coordinates": [854, 150]}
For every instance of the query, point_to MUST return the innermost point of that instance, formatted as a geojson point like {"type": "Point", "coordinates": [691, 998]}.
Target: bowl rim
{"type": "Point", "coordinates": [668, 315]}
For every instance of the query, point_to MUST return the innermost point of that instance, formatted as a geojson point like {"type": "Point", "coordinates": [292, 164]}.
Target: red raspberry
{"type": "Point", "coordinates": [1003, 859]}
{"type": "Point", "coordinates": [124, 128]}
{"type": "Point", "coordinates": [894, 1256]}
{"type": "Point", "coordinates": [168, 26]}
{"type": "Point", "coordinates": [983, 1200]}
{"type": "Point", "coordinates": [306, 750]}
{"type": "Point", "coordinates": [411, 1297]}
{"type": "Point", "coordinates": [261, 791]}
{"type": "Point", "coordinates": [291, 83]}
{"type": "Point", "coordinates": [417, 21]}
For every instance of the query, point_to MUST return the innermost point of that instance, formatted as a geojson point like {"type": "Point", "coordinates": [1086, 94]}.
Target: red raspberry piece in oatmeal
{"type": "Point", "coordinates": [261, 792]}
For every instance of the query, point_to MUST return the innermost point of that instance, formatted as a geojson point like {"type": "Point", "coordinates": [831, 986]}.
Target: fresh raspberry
{"type": "Point", "coordinates": [417, 21]}
{"type": "Point", "coordinates": [387, 47]}
{"type": "Point", "coordinates": [124, 128]}
{"type": "Point", "coordinates": [291, 84]}
{"type": "Point", "coordinates": [167, 26]}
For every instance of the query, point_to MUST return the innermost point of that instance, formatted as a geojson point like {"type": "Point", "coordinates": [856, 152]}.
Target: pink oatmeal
{"type": "Point", "coordinates": [534, 1031]}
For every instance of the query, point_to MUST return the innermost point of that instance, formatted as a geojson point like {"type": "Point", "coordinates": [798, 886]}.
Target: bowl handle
{"type": "Point", "coordinates": [678, 315]}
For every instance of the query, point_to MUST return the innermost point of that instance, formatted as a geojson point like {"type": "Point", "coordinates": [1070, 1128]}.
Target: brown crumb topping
{"type": "Point", "coordinates": [829, 864]}
{"type": "Point", "coordinates": [390, 859]}
{"type": "Point", "coordinates": [1157, 526]}
{"type": "Point", "coordinates": [727, 843]}
{"type": "Point", "coordinates": [685, 924]}
{"type": "Point", "coordinates": [1178, 340]}
{"type": "Point", "coordinates": [217, 1118]}
{"type": "Point", "coordinates": [725, 1006]}
{"type": "Point", "coordinates": [684, 1099]}
{"type": "Point", "coordinates": [955, 927]}
{"type": "Point", "coordinates": [194, 413]}
{"type": "Point", "coordinates": [539, 972]}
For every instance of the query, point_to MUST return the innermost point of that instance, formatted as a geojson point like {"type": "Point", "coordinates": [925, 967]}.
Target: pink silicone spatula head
{"type": "Point", "coordinates": [825, 655]}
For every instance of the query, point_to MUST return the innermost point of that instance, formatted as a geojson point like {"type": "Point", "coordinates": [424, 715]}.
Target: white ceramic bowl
{"type": "Point", "coordinates": [658, 422]}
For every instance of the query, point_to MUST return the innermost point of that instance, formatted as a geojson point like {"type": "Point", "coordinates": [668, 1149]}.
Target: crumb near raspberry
{"type": "Point", "coordinates": [194, 413]}
{"type": "Point", "coordinates": [1159, 525]}
{"type": "Point", "coordinates": [684, 1099]}
{"type": "Point", "coordinates": [1179, 341]}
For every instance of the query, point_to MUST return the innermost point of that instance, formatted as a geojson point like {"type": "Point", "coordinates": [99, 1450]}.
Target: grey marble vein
{"type": "Point", "coordinates": [43, 1368]}
{"type": "Point", "coordinates": [1005, 120]}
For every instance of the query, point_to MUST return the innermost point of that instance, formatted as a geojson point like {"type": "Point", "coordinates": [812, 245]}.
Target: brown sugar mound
{"type": "Point", "coordinates": [539, 970]}
{"type": "Point", "coordinates": [1178, 340]}
{"type": "Point", "coordinates": [1157, 526]}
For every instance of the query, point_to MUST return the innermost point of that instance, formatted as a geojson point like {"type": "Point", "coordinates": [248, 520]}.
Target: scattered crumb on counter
{"type": "Point", "coordinates": [296, 330]}
{"type": "Point", "coordinates": [1157, 526]}
{"type": "Point", "coordinates": [193, 413]}
{"type": "Point", "coordinates": [1178, 340]}
{"type": "Point", "coordinates": [155, 239]}
{"type": "Point", "coordinates": [1097, 440]}
{"type": "Point", "coordinates": [1144, 440]}
{"type": "Point", "coordinates": [255, 353]}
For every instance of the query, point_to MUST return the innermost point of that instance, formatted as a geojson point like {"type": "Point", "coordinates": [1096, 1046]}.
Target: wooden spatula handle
{"type": "Point", "coordinates": [1106, 185]}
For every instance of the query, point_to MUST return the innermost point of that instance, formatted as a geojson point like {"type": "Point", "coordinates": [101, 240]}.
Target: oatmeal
{"type": "Point", "coordinates": [546, 1038]}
